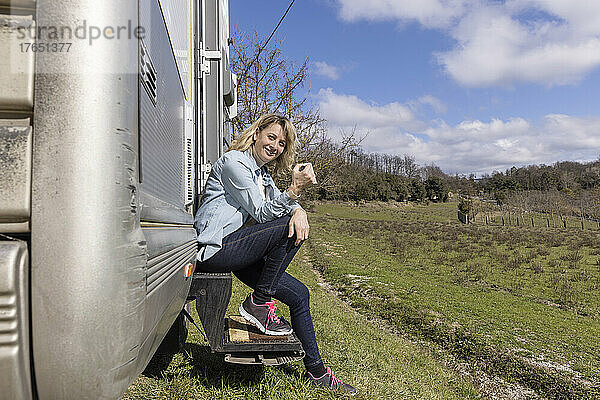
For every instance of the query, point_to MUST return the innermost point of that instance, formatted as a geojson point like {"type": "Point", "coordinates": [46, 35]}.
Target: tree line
{"type": "Point", "coordinates": [568, 177]}
{"type": "Point", "coordinates": [361, 176]}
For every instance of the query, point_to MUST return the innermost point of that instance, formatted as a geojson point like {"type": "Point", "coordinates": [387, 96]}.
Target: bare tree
{"type": "Point", "coordinates": [410, 167]}
{"type": "Point", "coordinates": [268, 82]}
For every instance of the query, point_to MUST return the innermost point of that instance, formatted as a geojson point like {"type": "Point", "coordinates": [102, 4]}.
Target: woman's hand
{"type": "Point", "coordinates": [299, 225]}
{"type": "Point", "coordinates": [302, 176]}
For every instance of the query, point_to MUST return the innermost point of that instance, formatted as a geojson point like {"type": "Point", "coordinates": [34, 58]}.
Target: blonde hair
{"type": "Point", "coordinates": [286, 159]}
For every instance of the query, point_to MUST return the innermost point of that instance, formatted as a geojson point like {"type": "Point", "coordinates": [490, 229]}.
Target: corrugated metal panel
{"type": "Point", "coordinates": [162, 267]}
{"type": "Point", "coordinates": [178, 17]}
{"type": "Point", "coordinates": [161, 124]}
{"type": "Point", "coordinates": [190, 166]}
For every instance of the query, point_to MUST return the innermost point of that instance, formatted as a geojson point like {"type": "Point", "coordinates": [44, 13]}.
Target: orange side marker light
{"type": "Point", "coordinates": [187, 270]}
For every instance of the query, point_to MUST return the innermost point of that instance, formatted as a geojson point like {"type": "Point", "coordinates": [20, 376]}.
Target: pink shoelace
{"type": "Point", "coordinates": [272, 316]}
{"type": "Point", "coordinates": [335, 382]}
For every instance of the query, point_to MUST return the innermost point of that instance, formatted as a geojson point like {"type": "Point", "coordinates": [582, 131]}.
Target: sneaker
{"type": "Point", "coordinates": [328, 380]}
{"type": "Point", "coordinates": [264, 318]}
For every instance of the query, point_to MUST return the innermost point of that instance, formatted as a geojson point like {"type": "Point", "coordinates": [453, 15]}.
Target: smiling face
{"type": "Point", "coordinates": [269, 143]}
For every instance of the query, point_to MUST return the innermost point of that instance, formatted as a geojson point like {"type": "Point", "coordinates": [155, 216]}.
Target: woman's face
{"type": "Point", "coordinates": [270, 143]}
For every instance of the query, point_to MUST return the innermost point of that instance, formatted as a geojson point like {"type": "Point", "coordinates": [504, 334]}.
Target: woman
{"type": "Point", "coordinates": [249, 227]}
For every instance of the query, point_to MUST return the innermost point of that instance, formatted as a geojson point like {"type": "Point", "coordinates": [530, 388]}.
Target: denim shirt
{"type": "Point", "coordinates": [232, 196]}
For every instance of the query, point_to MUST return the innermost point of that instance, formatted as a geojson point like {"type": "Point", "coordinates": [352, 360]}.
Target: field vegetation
{"type": "Point", "coordinates": [520, 303]}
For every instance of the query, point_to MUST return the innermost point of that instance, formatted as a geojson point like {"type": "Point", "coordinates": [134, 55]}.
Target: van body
{"type": "Point", "coordinates": [111, 113]}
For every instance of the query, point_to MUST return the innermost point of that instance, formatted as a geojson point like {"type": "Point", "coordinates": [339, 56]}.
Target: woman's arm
{"type": "Point", "coordinates": [299, 222]}
{"type": "Point", "coordinates": [238, 182]}
{"type": "Point", "coordinates": [277, 192]}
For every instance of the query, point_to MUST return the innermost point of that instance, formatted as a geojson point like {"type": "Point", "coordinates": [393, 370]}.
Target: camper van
{"type": "Point", "coordinates": [111, 114]}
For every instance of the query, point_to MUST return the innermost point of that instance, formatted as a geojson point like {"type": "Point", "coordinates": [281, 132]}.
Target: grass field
{"type": "Point", "coordinates": [520, 303]}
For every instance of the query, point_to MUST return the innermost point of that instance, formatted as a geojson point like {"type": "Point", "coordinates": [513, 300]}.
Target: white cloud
{"type": "Point", "coordinates": [348, 111]}
{"type": "Point", "coordinates": [496, 48]}
{"type": "Point", "coordinates": [431, 13]}
{"type": "Point", "coordinates": [573, 134]}
{"type": "Point", "coordinates": [469, 146]}
{"type": "Point", "coordinates": [549, 42]}
{"type": "Point", "coordinates": [326, 70]}
{"type": "Point", "coordinates": [435, 103]}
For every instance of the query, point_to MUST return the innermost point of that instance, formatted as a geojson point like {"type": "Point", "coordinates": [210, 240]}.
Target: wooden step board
{"type": "Point", "coordinates": [242, 331]}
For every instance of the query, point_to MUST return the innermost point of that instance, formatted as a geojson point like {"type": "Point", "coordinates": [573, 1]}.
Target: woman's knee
{"type": "Point", "coordinates": [292, 292]}
{"type": "Point", "coordinates": [304, 294]}
{"type": "Point", "coordinates": [301, 297]}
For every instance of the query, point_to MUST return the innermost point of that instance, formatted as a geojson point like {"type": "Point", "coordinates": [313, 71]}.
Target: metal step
{"type": "Point", "coordinates": [244, 344]}
{"type": "Point", "coordinates": [268, 359]}
{"type": "Point", "coordinates": [241, 342]}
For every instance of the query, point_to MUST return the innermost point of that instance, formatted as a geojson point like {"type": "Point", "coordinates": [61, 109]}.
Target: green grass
{"type": "Point", "coordinates": [517, 302]}
{"type": "Point", "coordinates": [392, 211]}
{"type": "Point", "coordinates": [380, 364]}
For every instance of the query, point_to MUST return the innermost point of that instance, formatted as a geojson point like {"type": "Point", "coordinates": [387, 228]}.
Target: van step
{"type": "Point", "coordinates": [264, 359]}
{"type": "Point", "coordinates": [245, 344]}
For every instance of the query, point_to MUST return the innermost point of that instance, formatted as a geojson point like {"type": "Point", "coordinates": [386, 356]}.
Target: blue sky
{"type": "Point", "coordinates": [470, 85]}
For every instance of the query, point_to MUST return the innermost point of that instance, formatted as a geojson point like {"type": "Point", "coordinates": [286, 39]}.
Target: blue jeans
{"type": "Point", "coordinates": [259, 255]}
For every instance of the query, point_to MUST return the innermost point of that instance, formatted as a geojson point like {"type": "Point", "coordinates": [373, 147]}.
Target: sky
{"type": "Point", "coordinates": [472, 86]}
